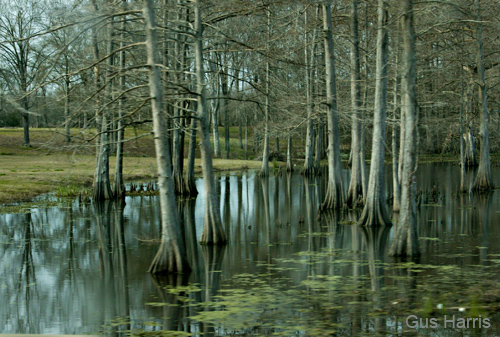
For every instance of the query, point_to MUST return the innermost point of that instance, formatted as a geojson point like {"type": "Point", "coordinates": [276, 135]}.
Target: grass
{"type": "Point", "coordinates": [51, 164]}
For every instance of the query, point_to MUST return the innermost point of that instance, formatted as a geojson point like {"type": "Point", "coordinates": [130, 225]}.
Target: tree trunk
{"type": "Point", "coordinates": [171, 256]}
{"type": "Point", "coordinates": [405, 241]}
{"type": "Point", "coordinates": [102, 185]}
{"type": "Point", "coordinates": [483, 182]}
{"type": "Point", "coordinates": [225, 94]}
{"type": "Point", "coordinates": [26, 126]}
{"type": "Point", "coordinates": [375, 212]}
{"type": "Point", "coordinates": [215, 118]}
{"type": "Point", "coordinates": [289, 163]}
{"type": "Point", "coordinates": [355, 192]}
{"type": "Point", "coordinates": [213, 231]}
{"type": "Point", "coordinates": [308, 161]}
{"type": "Point", "coordinates": [119, 186]}
{"type": "Point", "coordinates": [319, 145]}
{"type": "Point", "coordinates": [334, 195]}
{"type": "Point", "coordinates": [396, 181]}
{"type": "Point", "coordinates": [463, 189]}
{"type": "Point", "coordinates": [265, 152]}
{"type": "Point", "coordinates": [190, 188]}
{"type": "Point", "coordinates": [67, 114]}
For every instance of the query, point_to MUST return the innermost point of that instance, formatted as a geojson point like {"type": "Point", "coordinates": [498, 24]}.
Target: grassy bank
{"type": "Point", "coordinates": [51, 163]}
{"type": "Point", "coordinates": [23, 177]}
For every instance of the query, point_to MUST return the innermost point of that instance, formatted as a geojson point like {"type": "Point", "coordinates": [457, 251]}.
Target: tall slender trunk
{"type": "Point", "coordinates": [483, 182]}
{"type": "Point", "coordinates": [119, 186]}
{"type": "Point", "coordinates": [289, 163]}
{"type": "Point", "coordinates": [375, 212]}
{"type": "Point", "coordinates": [355, 192]}
{"type": "Point", "coordinates": [463, 188]}
{"type": "Point", "coordinates": [225, 93]}
{"type": "Point", "coordinates": [364, 175]}
{"type": "Point", "coordinates": [215, 118]}
{"type": "Point", "coordinates": [308, 59]}
{"type": "Point", "coordinates": [334, 195]}
{"type": "Point", "coordinates": [213, 231]}
{"type": "Point", "coordinates": [67, 113]}
{"type": "Point", "coordinates": [102, 184]}
{"type": "Point", "coordinates": [396, 180]}
{"type": "Point", "coordinates": [171, 256]}
{"type": "Point", "coordinates": [405, 241]}
{"type": "Point", "coordinates": [177, 122]}
{"type": "Point", "coordinates": [190, 188]}
{"type": "Point", "coordinates": [265, 152]}
{"type": "Point", "coordinates": [319, 145]}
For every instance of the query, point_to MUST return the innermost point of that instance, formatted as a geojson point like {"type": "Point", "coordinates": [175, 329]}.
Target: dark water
{"type": "Point", "coordinates": [81, 268]}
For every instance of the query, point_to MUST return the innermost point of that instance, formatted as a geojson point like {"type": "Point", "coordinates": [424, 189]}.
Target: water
{"type": "Point", "coordinates": [80, 268]}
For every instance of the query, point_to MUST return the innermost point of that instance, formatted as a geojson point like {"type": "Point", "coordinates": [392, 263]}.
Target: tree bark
{"type": "Point", "coordinates": [190, 188]}
{"type": "Point", "coordinates": [355, 192]}
{"type": "Point", "coordinates": [334, 195]}
{"type": "Point", "coordinates": [375, 212]}
{"type": "Point", "coordinates": [308, 60]}
{"type": "Point", "coordinates": [483, 182]}
{"type": "Point", "coordinates": [265, 152]}
{"type": "Point", "coordinates": [171, 256]}
{"type": "Point", "coordinates": [215, 118]}
{"type": "Point", "coordinates": [67, 113]}
{"type": "Point", "coordinates": [289, 163]}
{"type": "Point", "coordinates": [396, 181]}
{"type": "Point", "coordinates": [213, 231]}
{"type": "Point", "coordinates": [119, 186]}
{"type": "Point", "coordinates": [405, 241]}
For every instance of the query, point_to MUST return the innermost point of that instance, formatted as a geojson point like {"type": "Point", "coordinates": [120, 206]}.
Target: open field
{"type": "Point", "coordinates": [51, 163]}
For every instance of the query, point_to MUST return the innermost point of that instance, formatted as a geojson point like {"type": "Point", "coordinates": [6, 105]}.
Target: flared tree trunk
{"type": "Point", "coordinates": [405, 241]}
{"type": "Point", "coordinates": [213, 231]}
{"type": "Point", "coordinates": [483, 182]}
{"type": "Point", "coordinates": [375, 212]}
{"type": "Point", "coordinates": [334, 197]}
{"type": "Point", "coordinates": [355, 192]}
{"type": "Point", "coordinates": [171, 256]}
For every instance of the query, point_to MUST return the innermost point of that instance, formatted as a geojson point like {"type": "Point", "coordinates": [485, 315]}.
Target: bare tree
{"type": "Point", "coordinates": [483, 178]}
{"type": "Point", "coordinates": [213, 231]}
{"type": "Point", "coordinates": [334, 194]}
{"type": "Point", "coordinates": [375, 212]}
{"type": "Point", "coordinates": [21, 52]}
{"type": "Point", "coordinates": [171, 256]}
{"type": "Point", "coordinates": [405, 236]}
{"type": "Point", "coordinates": [355, 192]}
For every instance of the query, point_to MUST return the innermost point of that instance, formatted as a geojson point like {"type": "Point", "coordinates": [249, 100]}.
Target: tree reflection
{"type": "Point", "coordinates": [375, 242]}
{"type": "Point", "coordinates": [112, 262]}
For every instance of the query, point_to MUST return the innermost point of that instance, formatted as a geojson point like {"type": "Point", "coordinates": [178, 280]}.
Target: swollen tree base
{"type": "Point", "coordinates": [333, 198]}
{"type": "Point", "coordinates": [482, 184]}
{"type": "Point", "coordinates": [102, 191]}
{"type": "Point", "coordinates": [375, 214]}
{"type": "Point", "coordinates": [165, 261]}
{"type": "Point", "coordinates": [213, 233]}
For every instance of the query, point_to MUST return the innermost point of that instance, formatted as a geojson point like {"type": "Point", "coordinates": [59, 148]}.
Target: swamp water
{"type": "Point", "coordinates": [80, 268]}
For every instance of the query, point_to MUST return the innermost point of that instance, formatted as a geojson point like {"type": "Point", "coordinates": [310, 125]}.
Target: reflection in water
{"type": "Point", "coordinates": [74, 268]}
